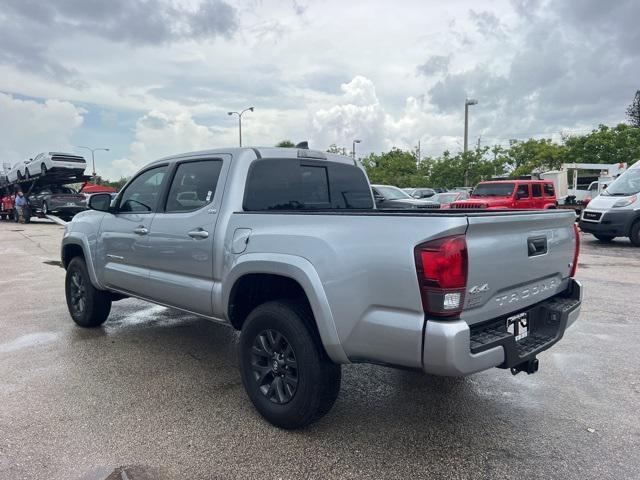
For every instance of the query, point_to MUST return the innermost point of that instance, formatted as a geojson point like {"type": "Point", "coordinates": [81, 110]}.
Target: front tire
{"type": "Point", "coordinates": [634, 234]}
{"type": "Point", "coordinates": [285, 371]}
{"type": "Point", "coordinates": [26, 174]}
{"type": "Point", "coordinates": [45, 208]}
{"type": "Point", "coordinates": [43, 170]}
{"type": "Point", "coordinates": [88, 306]}
{"type": "Point", "coordinates": [604, 238]}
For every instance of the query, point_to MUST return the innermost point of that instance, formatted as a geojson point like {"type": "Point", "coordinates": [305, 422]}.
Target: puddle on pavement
{"type": "Point", "coordinates": [55, 263]}
{"type": "Point", "coordinates": [29, 340]}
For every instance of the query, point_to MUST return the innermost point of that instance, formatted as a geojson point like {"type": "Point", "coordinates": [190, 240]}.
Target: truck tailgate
{"type": "Point", "coordinates": [516, 261]}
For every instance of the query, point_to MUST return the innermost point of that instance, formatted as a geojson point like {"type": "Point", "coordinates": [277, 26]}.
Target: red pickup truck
{"type": "Point", "coordinates": [511, 195]}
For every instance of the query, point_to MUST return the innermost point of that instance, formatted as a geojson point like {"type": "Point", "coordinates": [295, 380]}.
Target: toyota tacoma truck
{"type": "Point", "coordinates": [286, 246]}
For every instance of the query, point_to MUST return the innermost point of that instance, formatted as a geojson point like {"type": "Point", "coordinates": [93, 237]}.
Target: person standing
{"type": "Point", "coordinates": [21, 205]}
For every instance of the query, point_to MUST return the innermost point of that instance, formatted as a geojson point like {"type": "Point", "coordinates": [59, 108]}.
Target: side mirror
{"type": "Point", "coordinates": [100, 202]}
{"type": "Point", "coordinates": [378, 198]}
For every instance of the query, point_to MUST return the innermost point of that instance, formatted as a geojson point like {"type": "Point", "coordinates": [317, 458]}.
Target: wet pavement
{"type": "Point", "coordinates": [156, 394]}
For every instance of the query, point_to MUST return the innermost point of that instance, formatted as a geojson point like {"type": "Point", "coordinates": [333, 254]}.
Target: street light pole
{"type": "Point", "coordinates": [353, 150]}
{"type": "Point", "coordinates": [240, 122]}
{"type": "Point", "coordinates": [467, 102]}
{"type": "Point", "coordinates": [93, 158]}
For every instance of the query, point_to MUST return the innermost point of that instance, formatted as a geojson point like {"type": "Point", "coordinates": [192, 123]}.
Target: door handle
{"type": "Point", "coordinates": [141, 230]}
{"type": "Point", "coordinates": [199, 233]}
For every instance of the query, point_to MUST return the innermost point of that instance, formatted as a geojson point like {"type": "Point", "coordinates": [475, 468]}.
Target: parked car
{"type": "Point", "coordinates": [440, 189]}
{"type": "Point", "coordinates": [408, 191]}
{"type": "Point", "coordinates": [616, 211]}
{"type": "Point", "coordinates": [511, 195]}
{"type": "Point", "coordinates": [390, 197]}
{"type": "Point", "coordinates": [16, 172]}
{"type": "Point", "coordinates": [445, 199]}
{"type": "Point", "coordinates": [285, 245]}
{"type": "Point", "coordinates": [6, 206]}
{"type": "Point", "coordinates": [423, 193]}
{"type": "Point", "coordinates": [57, 200]}
{"type": "Point", "coordinates": [56, 163]}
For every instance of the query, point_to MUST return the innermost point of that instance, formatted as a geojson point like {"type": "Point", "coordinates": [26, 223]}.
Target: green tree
{"type": "Point", "coordinates": [605, 145]}
{"type": "Point", "coordinates": [531, 156]}
{"type": "Point", "coordinates": [396, 167]}
{"type": "Point", "coordinates": [633, 111]}
{"type": "Point", "coordinates": [286, 144]}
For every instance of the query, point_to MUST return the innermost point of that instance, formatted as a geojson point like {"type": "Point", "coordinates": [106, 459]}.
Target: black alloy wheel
{"type": "Point", "coordinates": [274, 366]}
{"type": "Point", "coordinates": [77, 294]}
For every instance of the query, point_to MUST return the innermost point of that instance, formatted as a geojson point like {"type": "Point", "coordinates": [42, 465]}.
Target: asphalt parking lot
{"type": "Point", "coordinates": [157, 394]}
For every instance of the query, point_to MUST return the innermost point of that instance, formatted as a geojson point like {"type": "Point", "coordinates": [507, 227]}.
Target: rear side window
{"type": "Point", "coordinates": [549, 190]}
{"type": "Point", "coordinates": [292, 184]}
{"type": "Point", "coordinates": [193, 185]}
{"type": "Point", "coordinates": [536, 188]}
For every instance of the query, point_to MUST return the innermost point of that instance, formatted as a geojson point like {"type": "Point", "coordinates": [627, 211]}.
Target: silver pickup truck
{"type": "Point", "coordinates": [286, 246]}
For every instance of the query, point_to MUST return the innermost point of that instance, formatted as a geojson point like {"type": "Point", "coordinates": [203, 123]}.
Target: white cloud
{"type": "Point", "coordinates": [28, 127]}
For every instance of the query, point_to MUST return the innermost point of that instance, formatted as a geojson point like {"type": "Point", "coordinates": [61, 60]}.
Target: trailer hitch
{"type": "Point", "coordinates": [530, 366]}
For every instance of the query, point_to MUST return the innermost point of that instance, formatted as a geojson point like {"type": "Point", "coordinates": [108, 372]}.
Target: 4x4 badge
{"type": "Point", "coordinates": [479, 289]}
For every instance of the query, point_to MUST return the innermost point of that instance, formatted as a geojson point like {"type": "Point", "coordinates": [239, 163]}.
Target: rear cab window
{"type": "Point", "coordinates": [303, 184]}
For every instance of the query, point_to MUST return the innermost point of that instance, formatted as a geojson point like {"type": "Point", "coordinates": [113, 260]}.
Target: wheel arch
{"type": "Point", "coordinates": [75, 247]}
{"type": "Point", "coordinates": [285, 274]}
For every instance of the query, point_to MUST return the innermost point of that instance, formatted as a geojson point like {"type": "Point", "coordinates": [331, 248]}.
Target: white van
{"type": "Point", "coordinates": [616, 211]}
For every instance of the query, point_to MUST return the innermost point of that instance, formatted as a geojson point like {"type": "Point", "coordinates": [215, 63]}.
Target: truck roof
{"type": "Point", "coordinates": [267, 152]}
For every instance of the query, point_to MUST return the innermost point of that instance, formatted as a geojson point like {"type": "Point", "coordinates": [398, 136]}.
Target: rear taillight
{"type": "Point", "coordinates": [576, 253]}
{"type": "Point", "coordinates": [442, 275]}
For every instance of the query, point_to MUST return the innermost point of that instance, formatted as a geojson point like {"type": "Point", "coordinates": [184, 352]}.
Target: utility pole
{"type": "Point", "coordinates": [478, 146]}
{"type": "Point", "coordinates": [250, 109]}
{"type": "Point", "coordinates": [419, 152]}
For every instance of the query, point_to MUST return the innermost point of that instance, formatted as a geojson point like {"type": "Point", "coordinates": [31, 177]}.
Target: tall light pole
{"type": "Point", "coordinates": [250, 109]}
{"type": "Point", "coordinates": [467, 102]}
{"type": "Point", "coordinates": [93, 158]}
{"type": "Point", "coordinates": [353, 150]}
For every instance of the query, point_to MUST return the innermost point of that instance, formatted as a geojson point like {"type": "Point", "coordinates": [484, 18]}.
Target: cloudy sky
{"type": "Point", "coordinates": [152, 78]}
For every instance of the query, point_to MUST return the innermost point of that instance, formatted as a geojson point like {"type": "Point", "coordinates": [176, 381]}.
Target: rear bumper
{"type": "Point", "coordinates": [452, 348]}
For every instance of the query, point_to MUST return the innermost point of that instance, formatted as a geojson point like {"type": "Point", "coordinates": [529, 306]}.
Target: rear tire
{"type": "Point", "coordinates": [88, 306]}
{"type": "Point", "coordinates": [27, 176]}
{"type": "Point", "coordinates": [45, 208]}
{"type": "Point", "coordinates": [286, 373]}
{"type": "Point", "coordinates": [604, 238]}
{"type": "Point", "coordinates": [43, 170]}
{"type": "Point", "coordinates": [634, 234]}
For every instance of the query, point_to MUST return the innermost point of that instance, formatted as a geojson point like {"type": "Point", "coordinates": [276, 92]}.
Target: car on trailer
{"type": "Point", "coordinates": [58, 200]}
{"type": "Point", "coordinates": [51, 163]}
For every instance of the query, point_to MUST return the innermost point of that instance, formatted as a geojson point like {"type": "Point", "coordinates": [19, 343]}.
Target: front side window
{"type": "Point", "coordinates": [193, 185]}
{"type": "Point", "coordinates": [142, 194]}
{"type": "Point", "coordinates": [523, 191]}
{"type": "Point", "coordinates": [292, 184]}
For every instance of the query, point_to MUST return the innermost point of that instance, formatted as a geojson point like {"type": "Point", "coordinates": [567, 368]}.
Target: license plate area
{"type": "Point", "coordinates": [518, 325]}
